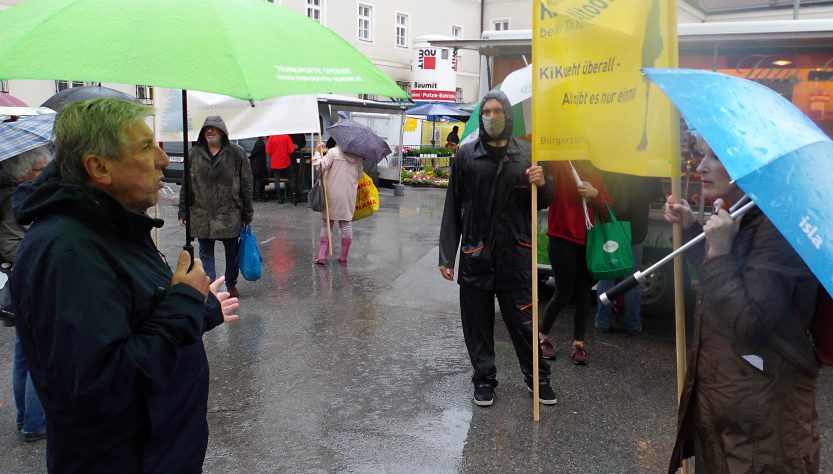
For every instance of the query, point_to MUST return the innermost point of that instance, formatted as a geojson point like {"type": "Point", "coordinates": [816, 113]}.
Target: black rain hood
{"type": "Point", "coordinates": [507, 112]}
{"type": "Point", "coordinates": [217, 122]}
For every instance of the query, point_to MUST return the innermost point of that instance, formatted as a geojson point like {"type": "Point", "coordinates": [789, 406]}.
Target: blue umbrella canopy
{"type": "Point", "coordinates": [437, 109]}
{"type": "Point", "coordinates": [25, 134]}
{"type": "Point", "coordinates": [774, 152]}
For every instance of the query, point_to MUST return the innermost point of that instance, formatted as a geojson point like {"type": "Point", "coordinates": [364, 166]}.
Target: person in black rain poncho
{"type": "Point", "coordinates": [488, 204]}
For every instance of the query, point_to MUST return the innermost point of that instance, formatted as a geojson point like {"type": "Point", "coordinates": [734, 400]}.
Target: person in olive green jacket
{"type": "Point", "coordinates": [221, 197]}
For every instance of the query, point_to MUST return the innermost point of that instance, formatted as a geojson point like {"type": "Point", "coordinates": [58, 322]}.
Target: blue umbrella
{"type": "Point", "coordinates": [435, 109]}
{"type": "Point", "coordinates": [25, 134]}
{"type": "Point", "coordinates": [356, 139]}
{"type": "Point", "coordinates": [774, 152]}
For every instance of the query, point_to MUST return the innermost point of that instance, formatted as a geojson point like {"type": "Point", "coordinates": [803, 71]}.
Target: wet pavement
{"type": "Point", "coordinates": [362, 368]}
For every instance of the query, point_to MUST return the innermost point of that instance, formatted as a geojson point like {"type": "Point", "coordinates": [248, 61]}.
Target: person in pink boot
{"type": "Point", "coordinates": [341, 175]}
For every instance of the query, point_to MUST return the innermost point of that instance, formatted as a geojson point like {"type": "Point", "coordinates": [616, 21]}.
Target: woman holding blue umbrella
{"type": "Point", "coordinates": [749, 402]}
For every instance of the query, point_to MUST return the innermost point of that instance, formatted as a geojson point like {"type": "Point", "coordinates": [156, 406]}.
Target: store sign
{"type": "Point", "coordinates": [434, 77]}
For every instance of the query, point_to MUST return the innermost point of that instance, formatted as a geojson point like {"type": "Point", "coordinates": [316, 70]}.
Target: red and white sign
{"type": "Point", "coordinates": [430, 95]}
{"type": "Point", "coordinates": [434, 77]}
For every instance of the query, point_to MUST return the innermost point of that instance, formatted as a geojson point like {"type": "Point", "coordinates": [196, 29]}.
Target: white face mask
{"type": "Point", "coordinates": [494, 125]}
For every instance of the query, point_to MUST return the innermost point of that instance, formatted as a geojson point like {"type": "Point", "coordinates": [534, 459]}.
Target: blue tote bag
{"type": "Point", "coordinates": [250, 259]}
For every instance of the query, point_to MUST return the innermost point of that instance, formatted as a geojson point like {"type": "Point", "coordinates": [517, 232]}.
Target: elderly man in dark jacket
{"type": "Point", "coordinates": [221, 197]}
{"type": "Point", "coordinates": [488, 203]}
{"type": "Point", "coordinates": [112, 336]}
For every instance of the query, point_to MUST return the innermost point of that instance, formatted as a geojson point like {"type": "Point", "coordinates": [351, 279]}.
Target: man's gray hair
{"type": "Point", "coordinates": [93, 127]}
{"type": "Point", "coordinates": [19, 166]}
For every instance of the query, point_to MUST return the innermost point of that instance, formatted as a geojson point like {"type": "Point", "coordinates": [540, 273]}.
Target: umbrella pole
{"type": "Point", "coordinates": [536, 410]}
{"type": "Point", "coordinates": [327, 212]}
{"type": "Point", "coordinates": [186, 179]}
{"type": "Point", "coordinates": [155, 206]}
{"type": "Point", "coordinates": [433, 131]}
{"type": "Point", "coordinates": [326, 207]}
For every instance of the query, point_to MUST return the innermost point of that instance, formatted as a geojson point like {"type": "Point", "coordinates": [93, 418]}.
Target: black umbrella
{"type": "Point", "coordinates": [77, 94]}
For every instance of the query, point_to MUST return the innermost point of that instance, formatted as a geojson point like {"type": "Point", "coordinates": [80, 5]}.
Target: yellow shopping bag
{"type": "Point", "coordinates": [367, 198]}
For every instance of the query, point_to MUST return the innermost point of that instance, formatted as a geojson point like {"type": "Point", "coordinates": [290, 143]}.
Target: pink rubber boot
{"type": "Point", "coordinates": [345, 249]}
{"type": "Point", "coordinates": [323, 248]}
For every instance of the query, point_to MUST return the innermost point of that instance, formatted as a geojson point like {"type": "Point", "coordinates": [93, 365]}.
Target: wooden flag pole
{"type": "Point", "coordinates": [536, 409]}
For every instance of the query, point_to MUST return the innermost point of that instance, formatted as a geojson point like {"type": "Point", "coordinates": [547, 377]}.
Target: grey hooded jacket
{"type": "Point", "coordinates": [221, 187]}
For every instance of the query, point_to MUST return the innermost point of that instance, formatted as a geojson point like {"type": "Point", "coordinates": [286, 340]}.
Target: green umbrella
{"type": "Point", "coordinates": [249, 49]}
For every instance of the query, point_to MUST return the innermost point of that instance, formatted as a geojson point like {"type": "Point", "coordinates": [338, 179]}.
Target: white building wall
{"type": "Point", "coordinates": [425, 17]}
{"type": "Point", "coordinates": [518, 12]}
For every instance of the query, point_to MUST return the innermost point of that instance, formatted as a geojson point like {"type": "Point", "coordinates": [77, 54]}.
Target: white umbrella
{"type": "Point", "coordinates": [518, 88]}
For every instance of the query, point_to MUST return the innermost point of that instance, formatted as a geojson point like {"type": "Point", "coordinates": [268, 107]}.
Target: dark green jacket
{"type": "Point", "coordinates": [221, 188]}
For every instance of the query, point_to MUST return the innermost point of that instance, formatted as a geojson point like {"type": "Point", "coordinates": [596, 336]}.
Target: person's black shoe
{"type": "Point", "coordinates": [546, 395]}
{"type": "Point", "coordinates": [484, 396]}
{"type": "Point", "coordinates": [32, 437]}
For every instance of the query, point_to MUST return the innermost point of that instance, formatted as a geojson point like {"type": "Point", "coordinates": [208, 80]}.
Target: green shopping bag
{"type": "Point", "coordinates": [609, 253]}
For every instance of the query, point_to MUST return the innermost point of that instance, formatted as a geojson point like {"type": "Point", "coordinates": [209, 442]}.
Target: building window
{"type": "Point", "coordinates": [365, 22]}
{"type": "Point", "coordinates": [456, 32]}
{"type": "Point", "coordinates": [458, 95]}
{"type": "Point", "coordinates": [402, 30]}
{"type": "Point", "coordinates": [405, 86]}
{"type": "Point", "coordinates": [145, 94]}
{"type": "Point", "coordinates": [4, 86]}
{"type": "Point", "coordinates": [500, 25]}
{"type": "Point", "coordinates": [315, 10]}
{"type": "Point", "coordinates": [61, 85]}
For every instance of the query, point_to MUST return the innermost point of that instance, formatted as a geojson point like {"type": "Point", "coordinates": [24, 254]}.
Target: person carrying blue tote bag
{"type": "Point", "coordinates": [250, 259]}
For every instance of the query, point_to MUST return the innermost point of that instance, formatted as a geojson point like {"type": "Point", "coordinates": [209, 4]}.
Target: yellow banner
{"type": "Point", "coordinates": [590, 100]}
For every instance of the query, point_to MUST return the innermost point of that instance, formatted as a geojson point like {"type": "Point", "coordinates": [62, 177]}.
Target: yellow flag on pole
{"type": "Point", "coordinates": [590, 100]}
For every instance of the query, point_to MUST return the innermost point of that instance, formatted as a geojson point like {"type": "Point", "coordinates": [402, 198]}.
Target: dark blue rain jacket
{"type": "Point", "coordinates": [115, 353]}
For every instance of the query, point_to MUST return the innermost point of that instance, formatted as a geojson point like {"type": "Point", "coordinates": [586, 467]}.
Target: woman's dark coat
{"type": "Point", "coordinates": [115, 353]}
{"type": "Point", "coordinates": [733, 416]}
{"type": "Point", "coordinates": [257, 159]}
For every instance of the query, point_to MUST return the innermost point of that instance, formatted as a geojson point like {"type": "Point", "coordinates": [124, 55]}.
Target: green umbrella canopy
{"type": "Point", "coordinates": [249, 49]}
